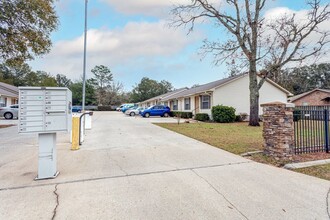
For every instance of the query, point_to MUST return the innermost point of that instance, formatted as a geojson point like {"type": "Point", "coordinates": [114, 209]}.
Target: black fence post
{"type": "Point", "coordinates": [326, 127]}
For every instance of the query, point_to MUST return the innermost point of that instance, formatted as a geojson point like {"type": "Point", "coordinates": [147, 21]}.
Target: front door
{"type": "Point", "coordinates": [196, 104]}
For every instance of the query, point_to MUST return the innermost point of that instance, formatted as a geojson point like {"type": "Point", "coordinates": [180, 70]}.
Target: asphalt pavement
{"type": "Point", "coordinates": [129, 168]}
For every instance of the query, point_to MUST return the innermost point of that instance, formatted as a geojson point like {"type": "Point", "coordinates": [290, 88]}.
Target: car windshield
{"type": "Point", "coordinates": [150, 107]}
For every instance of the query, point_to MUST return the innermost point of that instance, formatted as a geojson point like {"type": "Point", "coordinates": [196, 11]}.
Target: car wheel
{"type": "Point", "coordinates": [166, 114]}
{"type": "Point", "coordinates": [132, 114]}
{"type": "Point", "coordinates": [8, 115]}
{"type": "Point", "coordinates": [147, 115]}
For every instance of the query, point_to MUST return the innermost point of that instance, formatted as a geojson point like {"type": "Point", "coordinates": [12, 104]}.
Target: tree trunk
{"type": "Point", "coordinates": [254, 95]}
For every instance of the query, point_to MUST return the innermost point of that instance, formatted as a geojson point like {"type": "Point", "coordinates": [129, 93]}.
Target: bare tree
{"type": "Point", "coordinates": [261, 45]}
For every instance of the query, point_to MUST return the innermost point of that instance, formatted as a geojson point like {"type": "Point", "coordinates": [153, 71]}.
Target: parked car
{"type": "Point", "coordinates": [134, 111]}
{"type": "Point", "coordinates": [156, 110]}
{"type": "Point", "coordinates": [119, 108]}
{"type": "Point", "coordinates": [76, 109]}
{"type": "Point", "coordinates": [9, 112]}
{"type": "Point", "coordinates": [126, 107]}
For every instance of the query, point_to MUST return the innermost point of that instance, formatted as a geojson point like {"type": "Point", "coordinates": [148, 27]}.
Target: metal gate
{"type": "Point", "coordinates": [311, 129]}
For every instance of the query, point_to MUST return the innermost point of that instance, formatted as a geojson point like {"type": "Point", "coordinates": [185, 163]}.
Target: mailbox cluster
{"type": "Point", "coordinates": [44, 109]}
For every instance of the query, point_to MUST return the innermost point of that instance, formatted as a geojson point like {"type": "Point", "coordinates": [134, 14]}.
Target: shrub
{"type": "Point", "coordinates": [297, 115]}
{"type": "Point", "coordinates": [181, 114]}
{"type": "Point", "coordinates": [238, 118]}
{"type": "Point", "coordinates": [105, 108]}
{"type": "Point", "coordinates": [241, 117]}
{"type": "Point", "coordinates": [223, 114]}
{"type": "Point", "coordinates": [202, 117]}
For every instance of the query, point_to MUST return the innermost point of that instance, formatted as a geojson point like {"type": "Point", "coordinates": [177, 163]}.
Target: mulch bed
{"type": "Point", "coordinates": [5, 126]}
{"type": "Point", "coordinates": [311, 157]}
{"type": "Point", "coordinates": [263, 158]}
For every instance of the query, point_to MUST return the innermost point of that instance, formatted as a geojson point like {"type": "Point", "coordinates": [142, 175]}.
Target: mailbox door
{"type": "Point", "coordinates": [55, 122]}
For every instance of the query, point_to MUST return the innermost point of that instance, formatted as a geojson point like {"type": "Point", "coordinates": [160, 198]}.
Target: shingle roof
{"type": "Point", "coordinates": [204, 88]}
{"type": "Point", "coordinates": [294, 98]}
{"type": "Point", "coordinates": [162, 96]}
{"type": "Point", "coordinates": [8, 90]}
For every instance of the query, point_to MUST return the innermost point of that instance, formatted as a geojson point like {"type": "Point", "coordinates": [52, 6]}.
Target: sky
{"type": "Point", "coordinates": [133, 38]}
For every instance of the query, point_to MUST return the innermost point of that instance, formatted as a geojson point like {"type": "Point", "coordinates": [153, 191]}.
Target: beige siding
{"type": "Point", "coordinates": [237, 95]}
{"type": "Point", "coordinates": [7, 101]}
{"type": "Point", "coordinates": [192, 104]}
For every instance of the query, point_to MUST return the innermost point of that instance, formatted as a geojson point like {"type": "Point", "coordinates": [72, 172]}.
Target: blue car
{"type": "Point", "coordinates": [156, 110]}
{"type": "Point", "coordinates": [76, 109]}
{"type": "Point", "coordinates": [126, 107]}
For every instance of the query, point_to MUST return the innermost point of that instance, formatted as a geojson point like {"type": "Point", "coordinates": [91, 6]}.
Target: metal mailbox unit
{"type": "Point", "coordinates": [45, 111]}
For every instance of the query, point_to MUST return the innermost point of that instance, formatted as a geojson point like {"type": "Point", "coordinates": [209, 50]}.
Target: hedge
{"type": "Point", "coordinates": [202, 117]}
{"type": "Point", "coordinates": [223, 114]}
{"type": "Point", "coordinates": [241, 117]}
{"type": "Point", "coordinates": [297, 115]}
{"type": "Point", "coordinates": [181, 114]}
{"type": "Point", "coordinates": [105, 108]}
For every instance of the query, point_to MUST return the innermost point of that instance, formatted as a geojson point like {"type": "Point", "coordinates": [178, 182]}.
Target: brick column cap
{"type": "Point", "coordinates": [288, 105]}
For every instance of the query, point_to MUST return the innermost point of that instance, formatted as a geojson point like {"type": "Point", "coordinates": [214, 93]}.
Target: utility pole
{"type": "Point", "coordinates": [84, 65]}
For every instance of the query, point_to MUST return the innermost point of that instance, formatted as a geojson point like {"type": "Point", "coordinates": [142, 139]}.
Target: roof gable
{"type": "Point", "coordinates": [205, 87]}
{"type": "Point", "coordinates": [295, 98]}
{"type": "Point", "coordinates": [162, 96]}
{"type": "Point", "coordinates": [8, 90]}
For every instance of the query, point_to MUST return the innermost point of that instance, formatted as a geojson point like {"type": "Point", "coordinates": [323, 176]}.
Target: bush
{"type": "Point", "coordinates": [223, 114]}
{"type": "Point", "coordinates": [297, 115]}
{"type": "Point", "coordinates": [238, 118]}
{"type": "Point", "coordinates": [241, 117]}
{"type": "Point", "coordinates": [181, 114]}
{"type": "Point", "coordinates": [202, 117]}
{"type": "Point", "coordinates": [105, 108]}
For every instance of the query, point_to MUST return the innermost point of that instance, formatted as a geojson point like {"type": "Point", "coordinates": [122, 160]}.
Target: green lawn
{"type": "Point", "coordinates": [236, 138]}
{"type": "Point", "coordinates": [322, 171]}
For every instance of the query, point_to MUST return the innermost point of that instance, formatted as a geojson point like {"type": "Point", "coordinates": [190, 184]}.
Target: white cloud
{"type": "Point", "coordinates": [115, 47]}
{"type": "Point", "coordinates": [158, 8]}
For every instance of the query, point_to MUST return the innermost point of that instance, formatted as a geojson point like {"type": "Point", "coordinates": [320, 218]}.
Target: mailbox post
{"type": "Point", "coordinates": [45, 111]}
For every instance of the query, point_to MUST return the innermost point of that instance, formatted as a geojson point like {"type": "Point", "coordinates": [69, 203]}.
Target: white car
{"type": "Point", "coordinates": [9, 112]}
{"type": "Point", "coordinates": [134, 111]}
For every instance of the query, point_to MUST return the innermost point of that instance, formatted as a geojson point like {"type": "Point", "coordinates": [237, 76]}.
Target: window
{"type": "Point", "coordinates": [205, 102]}
{"type": "Point", "coordinates": [175, 105]}
{"type": "Point", "coordinates": [187, 104]}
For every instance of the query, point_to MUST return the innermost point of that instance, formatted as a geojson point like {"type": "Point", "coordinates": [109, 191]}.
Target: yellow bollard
{"type": "Point", "coordinates": [75, 133]}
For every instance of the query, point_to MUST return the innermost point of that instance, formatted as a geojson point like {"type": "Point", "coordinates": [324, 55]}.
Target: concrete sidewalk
{"type": "Point", "coordinates": [129, 168]}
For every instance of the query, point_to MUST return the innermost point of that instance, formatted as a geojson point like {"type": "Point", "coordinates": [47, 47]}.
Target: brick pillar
{"type": "Point", "coordinates": [278, 129]}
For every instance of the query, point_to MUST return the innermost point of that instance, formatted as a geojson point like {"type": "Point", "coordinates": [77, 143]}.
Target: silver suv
{"type": "Point", "coordinates": [9, 112]}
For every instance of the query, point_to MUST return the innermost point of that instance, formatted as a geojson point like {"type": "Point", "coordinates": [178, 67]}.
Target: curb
{"type": "Point", "coordinates": [292, 166]}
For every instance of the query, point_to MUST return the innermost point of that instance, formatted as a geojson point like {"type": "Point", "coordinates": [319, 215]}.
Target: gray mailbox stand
{"type": "Point", "coordinates": [45, 111]}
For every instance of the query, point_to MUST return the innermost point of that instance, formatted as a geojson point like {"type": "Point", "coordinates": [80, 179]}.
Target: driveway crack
{"type": "Point", "coordinates": [117, 164]}
{"type": "Point", "coordinates": [57, 202]}
{"type": "Point", "coordinates": [158, 161]}
{"type": "Point", "coordinates": [215, 189]}
{"type": "Point", "coordinates": [327, 203]}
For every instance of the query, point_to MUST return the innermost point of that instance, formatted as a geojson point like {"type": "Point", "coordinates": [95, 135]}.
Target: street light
{"type": "Point", "coordinates": [84, 65]}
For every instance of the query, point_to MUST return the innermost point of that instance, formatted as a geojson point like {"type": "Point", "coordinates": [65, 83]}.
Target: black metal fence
{"type": "Point", "coordinates": [311, 129]}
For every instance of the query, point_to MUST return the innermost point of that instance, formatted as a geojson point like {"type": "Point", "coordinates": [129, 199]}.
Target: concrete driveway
{"type": "Point", "coordinates": [128, 168]}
